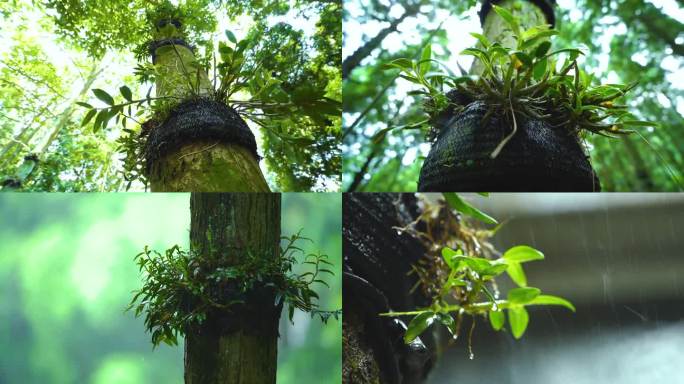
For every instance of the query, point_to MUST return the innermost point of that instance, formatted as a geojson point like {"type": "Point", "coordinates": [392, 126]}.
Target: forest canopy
{"type": "Point", "coordinates": [623, 41]}
{"type": "Point", "coordinates": [58, 57]}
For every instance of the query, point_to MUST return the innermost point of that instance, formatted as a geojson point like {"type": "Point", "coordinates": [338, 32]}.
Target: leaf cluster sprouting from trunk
{"type": "Point", "coordinates": [182, 287]}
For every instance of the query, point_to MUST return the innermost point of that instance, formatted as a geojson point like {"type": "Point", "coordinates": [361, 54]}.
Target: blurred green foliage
{"type": "Point", "coordinates": [625, 41]}
{"type": "Point", "coordinates": [67, 272]}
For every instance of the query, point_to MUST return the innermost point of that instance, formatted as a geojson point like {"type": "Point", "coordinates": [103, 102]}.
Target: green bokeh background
{"type": "Point", "coordinates": [67, 270]}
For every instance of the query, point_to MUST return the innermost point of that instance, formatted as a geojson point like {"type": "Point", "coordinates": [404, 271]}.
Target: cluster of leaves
{"type": "Point", "coordinates": [182, 287]}
{"type": "Point", "coordinates": [465, 285]}
{"type": "Point", "coordinates": [525, 82]}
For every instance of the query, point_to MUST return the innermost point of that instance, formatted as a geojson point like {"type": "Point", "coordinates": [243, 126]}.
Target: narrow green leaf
{"type": "Point", "coordinates": [88, 117]}
{"type": "Point", "coordinates": [126, 93]}
{"type": "Point", "coordinates": [84, 105]}
{"type": "Point", "coordinates": [518, 318]}
{"type": "Point", "coordinates": [458, 204]}
{"type": "Point", "coordinates": [516, 273]}
{"type": "Point", "coordinates": [497, 320]}
{"type": "Point", "coordinates": [99, 120]}
{"type": "Point", "coordinates": [104, 96]}
{"type": "Point", "coordinates": [552, 300]}
{"type": "Point", "coordinates": [523, 295]}
{"type": "Point", "coordinates": [425, 59]}
{"type": "Point", "coordinates": [448, 254]}
{"type": "Point", "coordinates": [417, 325]}
{"type": "Point", "coordinates": [522, 253]}
{"type": "Point", "coordinates": [508, 17]}
{"type": "Point", "coordinates": [639, 123]}
{"type": "Point", "coordinates": [401, 63]}
{"type": "Point", "coordinates": [481, 38]}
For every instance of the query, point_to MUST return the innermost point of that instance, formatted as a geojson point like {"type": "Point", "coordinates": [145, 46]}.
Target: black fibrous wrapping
{"type": "Point", "coordinates": [376, 261]}
{"type": "Point", "coordinates": [156, 44]}
{"type": "Point", "coordinates": [198, 119]}
{"type": "Point", "coordinates": [32, 157]}
{"type": "Point", "coordinates": [537, 158]}
{"type": "Point", "coordinates": [163, 22]}
{"type": "Point", "coordinates": [545, 5]}
{"type": "Point", "coordinates": [11, 182]}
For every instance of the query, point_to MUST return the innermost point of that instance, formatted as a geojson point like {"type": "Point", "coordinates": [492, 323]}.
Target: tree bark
{"type": "Point", "coordinates": [497, 30]}
{"type": "Point", "coordinates": [198, 166]}
{"type": "Point", "coordinates": [239, 347]}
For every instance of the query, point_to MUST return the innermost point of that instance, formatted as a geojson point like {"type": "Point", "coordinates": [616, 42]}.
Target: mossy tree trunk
{"type": "Point", "coordinates": [239, 347]}
{"type": "Point", "coordinates": [202, 165]}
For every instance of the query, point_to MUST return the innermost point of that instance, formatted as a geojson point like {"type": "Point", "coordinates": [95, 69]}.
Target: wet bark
{"type": "Point", "coordinates": [239, 347]}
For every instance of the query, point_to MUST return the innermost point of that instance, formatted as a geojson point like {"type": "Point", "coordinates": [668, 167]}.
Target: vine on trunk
{"type": "Point", "coordinates": [181, 286]}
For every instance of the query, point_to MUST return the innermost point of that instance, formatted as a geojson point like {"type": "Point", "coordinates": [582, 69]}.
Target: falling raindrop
{"type": "Point", "coordinates": [472, 355]}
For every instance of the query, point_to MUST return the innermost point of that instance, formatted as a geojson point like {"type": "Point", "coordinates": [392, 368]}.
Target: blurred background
{"type": "Point", "coordinates": [624, 41]}
{"type": "Point", "coordinates": [67, 272]}
{"type": "Point", "coordinates": [618, 258]}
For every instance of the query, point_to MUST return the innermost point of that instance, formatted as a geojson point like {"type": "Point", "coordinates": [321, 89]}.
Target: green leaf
{"type": "Point", "coordinates": [518, 318]}
{"type": "Point", "coordinates": [88, 117]}
{"type": "Point", "coordinates": [425, 59]}
{"type": "Point", "coordinates": [104, 96]}
{"type": "Point", "coordinates": [454, 282]}
{"type": "Point", "coordinates": [100, 119]}
{"type": "Point", "coordinates": [495, 270]}
{"type": "Point", "coordinates": [458, 204]}
{"type": "Point", "coordinates": [573, 53]}
{"type": "Point", "coordinates": [417, 325]}
{"type": "Point", "coordinates": [508, 17]}
{"type": "Point", "coordinates": [126, 93]}
{"type": "Point", "coordinates": [516, 273]}
{"type": "Point", "coordinates": [481, 38]}
{"type": "Point", "coordinates": [552, 300]}
{"type": "Point", "coordinates": [477, 264]}
{"type": "Point", "coordinates": [231, 37]}
{"type": "Point", "coordinates": [448, 322]}
{"type": "Point", "coordinates": [639, 123]}
{"type": "Point", "coordinates": [523, 295]}
{"type": "Point", "coordinates": [523, 57]}
{"type": "Point", "coordinates": [85, 105]}
{"type": "Point", "coordinates": [539, 69]}
{"type": "Point", "coordinates": [480, 54]}
{"type": "Point", "coordinates": [497, 320]}
{"type": "Point", "coordinates": [522, 253]}
{"type": "Point", "coordinates": [401, 63]}
{"type": "Point", "coordinates": [542, 49]}
{"type": "Point", "coordinates": [448, 254]}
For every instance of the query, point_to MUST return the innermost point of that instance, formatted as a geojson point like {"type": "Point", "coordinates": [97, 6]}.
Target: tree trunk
{"type": "Point", "coordinates": [239, 347]}
{"type": "Point", "coordinates": [205, 164]}
{"type": "Point", "coordinates": [497, 30]}
{"type": "Point", "coordinates": [362, 52]}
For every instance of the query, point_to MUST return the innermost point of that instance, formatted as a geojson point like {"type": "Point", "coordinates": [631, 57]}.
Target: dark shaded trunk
{"type": "Point", "coordinates": [239, 347]}
{"type": "Point", "coordinates": [376, 261]}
